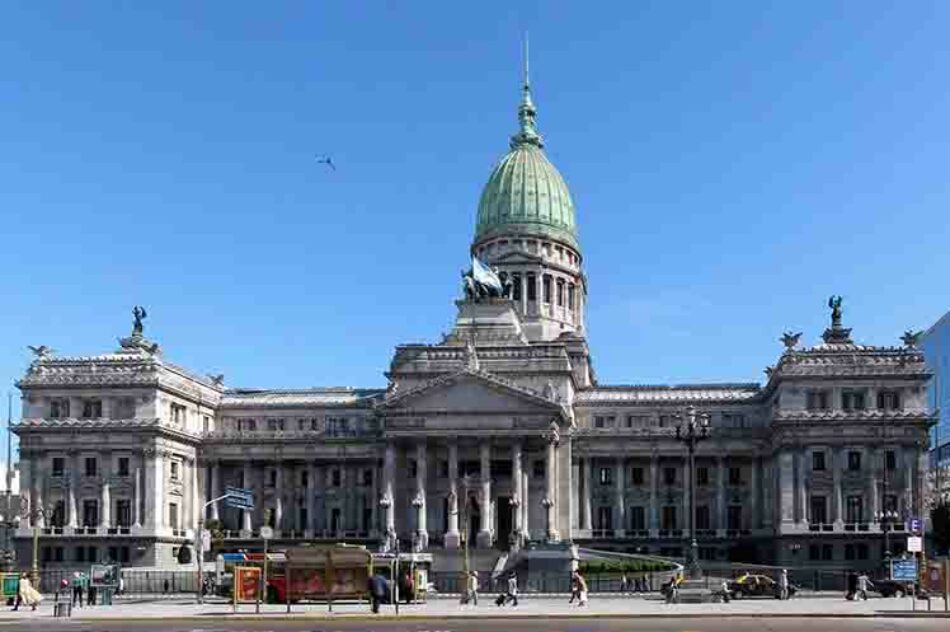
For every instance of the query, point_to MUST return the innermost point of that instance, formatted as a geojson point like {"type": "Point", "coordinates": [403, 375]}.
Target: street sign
{"type": "Point", "coordinates": [205, 540]}
{"type": "Point", "coordinates": [916, 525]}
{"type": "Point", "coordinates": [904, 570]}
{"type": "Point", "coordinates": [915, 544]}
{"type": "Point", "coordinates": [239, 498]}
{"type": "Point", "coordinates": [267, 533]}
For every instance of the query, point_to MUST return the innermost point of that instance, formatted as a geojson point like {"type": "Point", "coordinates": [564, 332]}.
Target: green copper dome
{"type": "Point", "coordinates": [525, 194]}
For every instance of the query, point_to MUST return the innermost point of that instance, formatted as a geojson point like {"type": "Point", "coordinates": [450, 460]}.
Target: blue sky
{"type": "Point", "coordinates": [732, 165]}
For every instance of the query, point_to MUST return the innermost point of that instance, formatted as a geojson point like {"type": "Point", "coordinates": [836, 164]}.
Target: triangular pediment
{"type": "Point", "coordinates": [469, 391]}
{"type": "Point", "coordinates": [517, 257]}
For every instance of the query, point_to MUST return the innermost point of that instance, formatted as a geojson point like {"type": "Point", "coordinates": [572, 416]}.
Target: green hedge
{"type": "Point", "coordinates": [621, 566]}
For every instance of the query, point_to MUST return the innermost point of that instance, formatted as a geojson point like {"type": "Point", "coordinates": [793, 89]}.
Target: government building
{"type": "Point", "coordinates": [498, 435]}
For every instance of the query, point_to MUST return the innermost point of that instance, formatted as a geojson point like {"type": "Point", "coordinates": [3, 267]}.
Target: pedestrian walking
{"type": "Point", "coordinates": [724, 589]}
{"type": "Point", "coordinates": [122, 585]}
{"type": "Point", "coordinates": [90, 593]}
{"type": "Point", "coordinates": [862, 586]}
{"type": "Point", "coordinates": [624, 582]}
{"type": "Point", "coordinates": [26, 594]}
{"type": "Point", "coordinates": [852, 586]}
{"type": "Point", "coordinates": [77, 588]}
{"type": "Point", "coordinates": [512, 596]}
{"type": "Point", "coordinates": [473, 587]}
{"type": "Point", "coordinates": [377, 591]}
{"type": "Point", "coordinates": [575, 593]}
{"type": "Point", "coordinates": [407, 587]}
{"type": "Point", "coordinates": [581, 590]}
{"type": "Point", "coordinates": [783, 584]}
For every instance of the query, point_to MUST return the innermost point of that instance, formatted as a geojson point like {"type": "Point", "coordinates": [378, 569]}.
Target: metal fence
{"type": "Point", "coordinates": [135, 582]}
{"type": "Point", "coordinates": [539, 582]}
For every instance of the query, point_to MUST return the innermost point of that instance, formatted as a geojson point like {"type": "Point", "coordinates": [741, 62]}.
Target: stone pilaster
{"type": "Point", "coordinates": [484, 537]}
{"type": "Point", "coordinates": [452, 536]}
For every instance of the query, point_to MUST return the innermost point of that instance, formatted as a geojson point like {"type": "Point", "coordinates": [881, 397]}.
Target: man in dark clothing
{"type": "Point", "coordinates": [377, 591]}
{"type": "Point", "coordinates": [852, 585]}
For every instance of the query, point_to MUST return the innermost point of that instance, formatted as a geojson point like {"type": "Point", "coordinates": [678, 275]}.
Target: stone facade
{"type": "Point", "coordinates": [499, 434]}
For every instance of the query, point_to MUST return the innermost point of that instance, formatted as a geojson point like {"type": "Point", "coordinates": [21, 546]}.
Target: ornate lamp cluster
{"type": "Point", "coordinates": [690, 432]}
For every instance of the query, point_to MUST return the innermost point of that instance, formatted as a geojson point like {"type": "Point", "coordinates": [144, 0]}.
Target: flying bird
{"type": "Point", "coordinates": [326, 160]}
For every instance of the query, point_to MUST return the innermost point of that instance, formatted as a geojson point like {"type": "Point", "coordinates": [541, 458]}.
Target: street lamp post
{"type": "Point", "coordinates": [691, 432]}
{"type": "Point", "coordinates": [463, 535]}
{"type": "Point", "coordinates": [32, 514]}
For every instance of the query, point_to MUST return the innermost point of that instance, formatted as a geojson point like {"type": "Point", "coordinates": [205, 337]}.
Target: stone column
{"type": "Point", "coordinates": [484, 537]}
{"type": "Point", "coordinates": [388, 499]}
{"type": "Point", "coordinates": [654, 495]}
{"type": "Point", "coordinates": [872, 508]}
{"type": "Point", "coordinates": [585, 497]}
{"type": "Point", "coordinates": [198, 493]}
{"type": "Point", "coordinates": [452, 537]}
{"type": "Point", "coordinates": [105, 502]}
{"type": "Point", "coordinates": [215, 488]}
{"type": "Point", "coordinates": [786, 486]}
{"type": "Point", "coordinates": [755, 486]}
{"type": "Point", "coordinates": [721, 517]}
{"type": "Point", "coordinates": [136, 499]}
{"type": "Point", "coordinates": [922, 463]}
{"type": "Point", "coordinates": [246, 523]}
{"type": "Point", "coordinates": [279, 497]}
{"type": "Point", "coordinates": [801, 491]}
{"type": "Point", "coordinates": [516, 499]}
{"type": "Point", "coordinates": [38, 482]}
{"type": "Point", "coordinates": [311, 526]}
{"type": "Point", "coordinates": [908, 474]}
{"type": "Point", "coordinates": [620, 504]}
{"type": "Point", "coordinates": [837, 500]}
{"type": "Point", "coordinates": [26, 485]}
{"type": "Point", "coordinates": [525, 504]}
{"type": "Point", "coordinates": [73, 479]}
{"type": "Point", "coordinates": [550, 500]}
{"type": "Point", "coordinates": [768, 489]}
{"type": "Point", "coordinates": [419, 502]}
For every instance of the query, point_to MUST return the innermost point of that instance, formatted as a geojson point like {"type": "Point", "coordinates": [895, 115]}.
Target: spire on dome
{"type": "Point", "coordinates": [528, 134]}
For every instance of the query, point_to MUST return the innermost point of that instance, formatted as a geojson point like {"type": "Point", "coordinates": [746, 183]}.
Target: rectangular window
{"type": "Point", "coordinates": [80, 554]}
{"type": "Point", "coordinates": [636, 476]}
{"type": "Point", "coordinates": [177, 413]}
{"type": "Point", "coordinates": [532, 287]}
{"type": "Point", "coordinates": [59, 514]}
{"type": "Point", "coordinates": [606, 476]}
{"type": "Point", "coordinates": [604, 421]}
{"type": "Point", "coordinates": [669, 475]}
{"type": "Point", "coordinates": [733, 420]}
{"type": "Point", "coordinates": [818, 461]}
{"type": "Point", "coordinates": [546, 283]}
{"type": "Point", "coordinates": [123, 466]}
{"type": "Point", "coordinates": [890, 460]}
{"type": "Point", "coordinates": [668, 517]}
{"type": "Point", "coordinates": [368, 476]}
{"type": "Point", "coordinates": [852, 399]}
{"type": "Point", "coordinates": [91, 408]}
{"type": "Point", "coordinates": [814, 552]}
{"type": "Point", "coordinates": [667, 421]}
{"type": "Point", "coordinates": [819, 510]}
{"type": "Point", "coordinates": [59, 408]}
{"type": "Point", "coordinates": [123, 408]}
{"type": "Point", "coordinates": [174, 470]}
{"type": "Point", "coordinates": [702, 517]}
{"type": "Point", "coordinates": [59, 466]}
{"type": "Point", "coordinates": [638, 421]}
{"type": "Point", "coordinates": [827, 552]}
{"type": "Point", "coordinates": [92, 466]}
{"type": "Point", "coordinates": [734, 517]}
{"type": "Point", "coordinates": [854, 509]}
{"type": "Point", "coordinates": [862, 551]}
{"type": "Point", "coordinates": [849, 552]}
{"type": "Point", "coordinates": [539, 471]}
{"type": "Point", "coordinates": [123, 513]}
{"type": "Point", "coordinates": [304, 478]}
{"type": "Point", "coordinates": [570, 296]}
{"type": "Point", "coordinates": [817, 399]}
{"type": "Point", "coordinates": [90, 513]}
{"type": "Point", "coordinates": [560, 293]}
{"type": "Point", "coordinates": [205, 423]}
{"type": "Point", "coordinates": [854, 460]}
{"type": "Point", "coordinates": [272, 478]}
{"type": "Point", "coordinates": [888, 400]}
{"type": "Point", "coordinates": [638, 520]}
{"type": "Point", "coordinates": [124, 554]}
{"type": "Point", "coordinates": [516, 286]}
{"type": "Point", "coordinates": [173, 515]}
{"type": "Point", "coordinates": [735, 476]}
{"type": "Point", "coordinates": [337, 476]}
{"type": "Point", "coordinates": [702, 476]}
{"type": "Point", "coordinates": [92, 554]}
{"type": "Point", "coordinates": [413, 471]}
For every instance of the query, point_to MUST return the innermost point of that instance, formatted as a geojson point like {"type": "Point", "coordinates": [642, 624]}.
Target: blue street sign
{"type": "Point", "coordinates": [916, 525]}
{"type": "Point", "coordinates": [239, 498]}
{"type": "Point", "coordinates": [904, 570]}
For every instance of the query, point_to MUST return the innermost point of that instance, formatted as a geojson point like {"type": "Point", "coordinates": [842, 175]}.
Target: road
{"type": "Point", "coordinates": [538, 624]}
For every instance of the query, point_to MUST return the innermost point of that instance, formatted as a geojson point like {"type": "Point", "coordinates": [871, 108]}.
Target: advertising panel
{"type": "Point", "coordinates": [247, 582]}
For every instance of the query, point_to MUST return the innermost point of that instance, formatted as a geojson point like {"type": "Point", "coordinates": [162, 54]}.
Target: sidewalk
{"type": "Point", "coordinates": [603, 606]}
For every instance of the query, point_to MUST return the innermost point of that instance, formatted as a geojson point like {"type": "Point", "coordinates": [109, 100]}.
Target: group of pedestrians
{"type": "Point", "coordinates": [640, 583]}
{"type": "Point", "coordinates": [857, 585]}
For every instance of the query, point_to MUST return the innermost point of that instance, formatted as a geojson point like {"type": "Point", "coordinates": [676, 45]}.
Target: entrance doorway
{"type": "Point", "coordinates": [503, 510]}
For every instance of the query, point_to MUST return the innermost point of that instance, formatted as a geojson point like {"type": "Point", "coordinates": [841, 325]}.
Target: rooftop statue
{"type": "Point", "coordinates": [484, 282]}
{"type": "Point", "coordinates": [139, 314]}
{"type": "Point", "coordinates": [834, 302]}
{"type": "Point", "coordinates": [911, 338]}
{"type": "Point", "coordinates": [41, 351]}
{"type": "Point", "coordinates": [790, 340]}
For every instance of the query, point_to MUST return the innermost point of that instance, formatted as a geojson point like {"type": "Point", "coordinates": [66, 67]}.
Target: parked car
{"type": "Point", "coordinates": [892, 587]}
{"type": "Point", "coordinates": [751, 585]}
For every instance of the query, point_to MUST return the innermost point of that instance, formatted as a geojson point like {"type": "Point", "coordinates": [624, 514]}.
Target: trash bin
{"type": "Point", "coordinates": [106, 598]}
{"type": "Point", "coordinates": [62, 609]}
